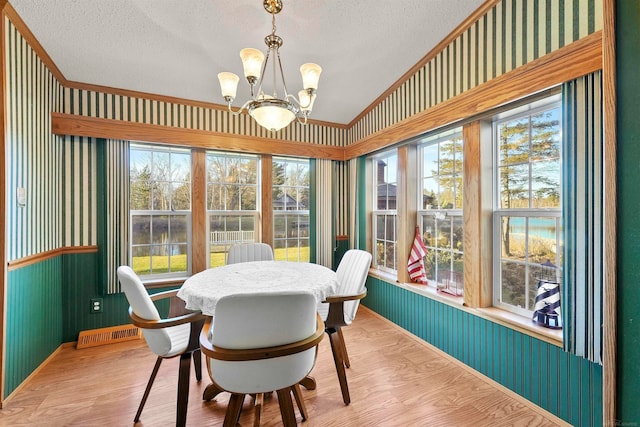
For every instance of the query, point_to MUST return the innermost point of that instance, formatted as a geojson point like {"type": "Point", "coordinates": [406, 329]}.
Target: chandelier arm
{"type": "Point", "coordinates": [237, 112]}
{"type": "Point", "coordinates": [297, 101]}
{"type": "Point", "coordinates": [284, 83]}
{"type": "Point", "coordinates": [302, 122]}
{"type": "Point", "coordinates": [262, 73]}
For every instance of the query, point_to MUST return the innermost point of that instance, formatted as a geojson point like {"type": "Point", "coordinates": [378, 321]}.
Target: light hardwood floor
{"type": "Point", "coordinates": [395, 379]}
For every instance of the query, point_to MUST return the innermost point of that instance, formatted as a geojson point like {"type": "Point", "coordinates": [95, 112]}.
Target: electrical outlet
{"type": "Point", "coordinates": [96, 305]}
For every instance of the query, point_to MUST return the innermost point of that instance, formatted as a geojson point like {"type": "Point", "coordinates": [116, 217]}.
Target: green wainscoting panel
{"type": "Point", "coordinates": [81, 283]}
{"type": "Point", "coordinates": [34, 319]}
{"type": "Point", "coordinates": [567, 386]}
{"type": "Point", "coordinates": [341, 246]}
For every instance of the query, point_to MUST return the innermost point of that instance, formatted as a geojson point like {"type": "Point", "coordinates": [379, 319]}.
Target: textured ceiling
{"type": "Point", "coordinates": [177, 47]}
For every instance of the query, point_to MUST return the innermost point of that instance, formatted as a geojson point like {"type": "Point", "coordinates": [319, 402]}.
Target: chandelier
{"type": "Point", "coordinates": [268, 109]}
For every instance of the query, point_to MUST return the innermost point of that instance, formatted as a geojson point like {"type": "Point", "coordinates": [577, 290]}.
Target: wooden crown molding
{"type": "Point", "coordinates": [68, 124]}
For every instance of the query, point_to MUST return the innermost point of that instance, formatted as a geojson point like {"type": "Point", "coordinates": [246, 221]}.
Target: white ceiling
{"type": "Point", "coordinates": [177, 47]}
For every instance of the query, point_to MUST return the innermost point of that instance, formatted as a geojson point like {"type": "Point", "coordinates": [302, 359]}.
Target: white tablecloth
{"type": "Point", "coordinates": [203, 290]}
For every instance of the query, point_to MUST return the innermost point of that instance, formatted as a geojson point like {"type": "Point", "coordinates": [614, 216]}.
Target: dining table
{"type": "Point", "coordinates": [203, 290]}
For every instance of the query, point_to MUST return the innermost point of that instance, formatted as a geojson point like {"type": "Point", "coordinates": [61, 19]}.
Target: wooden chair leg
{"type": "Point", "coordinates": [257, 409]}
{"type": "Point", "coordinates": [197, 364]}
{"type": "Point", "coordinates": [183, 389]}
{"type": "Point", "coordinates": [308, 382]}
{"type": "Point", "coordinates": [233, 410]}
{"type": "Point", "coordinates": [345, 356]}
{"type": "Point", "coordinates": [297, 393]}
{"type": "Point", "coordinates": [334, 339]}
{"type": "Point", "coordinates": [211, 391]}
{"type": "Point", "coordinates": [148, 389]}
{"type": "Point", "coordinates": [286, 407]}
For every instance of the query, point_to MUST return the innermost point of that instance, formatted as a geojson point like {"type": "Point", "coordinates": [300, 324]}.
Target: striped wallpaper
{"type": "Point", "coordinates": [484, 52]}
{"type": "Point", "coordinates": [33, 154]}
{"type": "Point", "coordinates": [162, 113]}
{"type": "Point", "coordinates": [80, 211]}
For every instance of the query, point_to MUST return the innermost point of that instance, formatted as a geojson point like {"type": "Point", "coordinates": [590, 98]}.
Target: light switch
{"type": "Point", "coordinates": [21, 197]}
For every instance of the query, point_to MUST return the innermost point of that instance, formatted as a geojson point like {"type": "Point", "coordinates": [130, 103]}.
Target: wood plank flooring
{"type": "Point", "coordinates": [395, 379]}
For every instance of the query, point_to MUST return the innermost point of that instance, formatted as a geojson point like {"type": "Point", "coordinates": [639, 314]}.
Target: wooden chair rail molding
{"type": "Point", "coordinates": [42, 256]}
{"type": "Point", "coordinates": [69, 124]}
{"type": "Point", "coordinates": [565, 64]}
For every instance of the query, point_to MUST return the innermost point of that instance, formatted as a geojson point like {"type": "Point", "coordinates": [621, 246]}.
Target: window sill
{"type": "Point", "coordinates": [510, 320]}
{"type": "Point", "coordinates": [169, 282]}
{"type": "Point", "coordinates": [522, 324]}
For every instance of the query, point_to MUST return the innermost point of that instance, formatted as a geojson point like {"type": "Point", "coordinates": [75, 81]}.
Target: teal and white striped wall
{"type": "Point", "coordinates": [33, 153]}
{"type": "Point", "coordinates": [511, 34]}
{"type": "Point", "coordinates": [163, 113]}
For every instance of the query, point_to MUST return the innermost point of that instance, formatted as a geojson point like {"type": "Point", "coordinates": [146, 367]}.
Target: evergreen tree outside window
{"type": "Point", "coordinates": [160, 210]}
{"type": "Point", "coordinates": [290, 193]}
{"type": "Point", "coordinates": [528, 211]}
{"type": "Point", "coordinates": [440, 164]}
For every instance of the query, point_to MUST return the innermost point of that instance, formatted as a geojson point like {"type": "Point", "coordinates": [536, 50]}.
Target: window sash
{"type": "Point", "coordinates": [169, 246]}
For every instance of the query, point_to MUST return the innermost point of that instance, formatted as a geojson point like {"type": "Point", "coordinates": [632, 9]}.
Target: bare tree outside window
{"type": "Point", "coordinates": [160, 209]}
{"type": "Point", "coordinates": [232, 202]}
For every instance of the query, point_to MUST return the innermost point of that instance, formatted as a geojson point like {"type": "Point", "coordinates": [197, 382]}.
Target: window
{"type": "Point", "coordinates": [385, 214]}
{"type": "Point", "coordinates": [290, 209]}
{"type": "Point", "coordinates": [440, 209]}
{"type": "Point", "coordinates": [527, 215]}
{"type": "Point", "coordinates": [160, 210]}
{"type": "Point", "coordinates": [233, 202]}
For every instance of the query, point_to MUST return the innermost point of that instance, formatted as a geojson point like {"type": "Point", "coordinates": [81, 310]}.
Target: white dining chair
{"type": "Point", "coordinates": [246, 252]}
{"type": "Point", "coordinates": [340, 309]}
{"type": "Point", "coordinates": [171, 337]}
{"type": "Point", "coordinates": [258, 343]}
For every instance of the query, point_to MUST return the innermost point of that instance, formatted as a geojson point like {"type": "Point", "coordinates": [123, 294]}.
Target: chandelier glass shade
{"type": "Point", "coordinates": [270, 110]}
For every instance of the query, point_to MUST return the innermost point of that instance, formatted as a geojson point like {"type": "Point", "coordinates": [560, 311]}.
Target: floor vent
{"type": "Point", "coordinates": [111, 335]}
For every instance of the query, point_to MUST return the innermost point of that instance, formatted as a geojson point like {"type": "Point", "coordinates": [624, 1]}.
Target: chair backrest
{"type": "Point", "coordinates": [159, 340]}
{"type": "Point", "coordinates": [352, 275]}
{"type": "Point", "coordinates": [249, 321]}
{"type": "Point", "coordinates": [245, 252]}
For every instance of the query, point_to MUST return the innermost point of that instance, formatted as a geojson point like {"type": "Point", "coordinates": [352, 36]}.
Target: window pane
{"type": "Point", "coordinates": [180, 166]}
{"type": "Point", "coordinates": [429, 193]}
{"type": "Point", "coordinates": [542, 240]}
{"type": "Point", "coordinates": [545, 184]}
{"type": "Point", "coordinates": [446, 198]}
{"type": "Point", "coordinates": [141, 259]}
{"type": "Point", "coordinates": [178, 258]}
{"type": "Point", "coordinates": [161, 193]}
{"type": "Point", "coordinates": [514, 187]}
{"type": "Point", "coordinates": [178, 228]}
{"type": "Point", "coordinates": [159, 229]}
{"type": "Point", "coordinates": [458, 233]}
{"type": "Point", "coordinates": [513, 145]}
{"type": "Point", "coordinates": [141, 229]}
{"type": "Point", "coordinates": [430, 160]}
{"type": "Point", "coordinates": [181, 198]}
{"type": "Point", "coordinates": [215, 197]}
{"type": "Point", "coordinates": [161, 166]}
{"type": "Point", "coordinates": [232, 198]}
{"type": "Point", "coordinates": [444, 233]}
{"type": "Point", "coordinates": [140, 191]}
{"type": "Point", "coordinates": [248, 198]}
{"type": "Point", "coordinates": [513, 284]}
{"type": "Point", "coordinates": [513, 237]}
{"type": "Point", "coordinates": [429, 230]}
{"type": "Point", "coordinates": [545, 135]}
